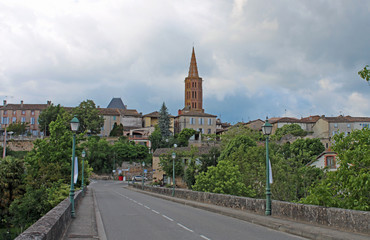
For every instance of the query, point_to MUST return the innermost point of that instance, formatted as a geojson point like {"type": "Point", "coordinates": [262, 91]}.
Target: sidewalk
{"type": "Point", "coordinates": [87, 224]}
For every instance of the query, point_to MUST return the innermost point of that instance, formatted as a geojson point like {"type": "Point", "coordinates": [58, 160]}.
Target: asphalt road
{"type": "Point", "coordinates": [130, 215]}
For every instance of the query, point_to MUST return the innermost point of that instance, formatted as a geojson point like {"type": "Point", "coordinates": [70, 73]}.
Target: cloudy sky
{"type": "Point", "coordinates": [257, 58]}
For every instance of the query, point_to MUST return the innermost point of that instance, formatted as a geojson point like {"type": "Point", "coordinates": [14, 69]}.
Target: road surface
{"type": "Point", "coordinates": [127, 214]}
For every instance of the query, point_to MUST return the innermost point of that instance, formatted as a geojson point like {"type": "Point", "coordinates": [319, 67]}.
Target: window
{"type": "Point", "coordinates": [201, 121]}
{"type": "Point", "coordinates": [114, 118]}
{"type": "Point", "coordinates": [32, 120]}
{"type": "Point", "coordinates": [14, 112]}
{"type": "Point", "coordinates": [23, 112]}
{"type": "Point", "coordinates": [4, 120]}
{"type": "Point", "coordinates": [330, 162]}
{"type": "Point", "coordinates": [200, 130]}
{"type": "Point", "coordinates": [349, 125]}
{"type": "Point", "coordinates": [335, 125]}
{"type": "Point", "coordinates": [14, 120]}
{"type": "Point", "coordinates": [23, 119]}
{"type": "Point", "coordinates": [209, 131]}
{"type": "Point", "coordinates": [5, 112]}
{"type": "Point", "coordinates": [32, 112]}
{"type": "Point", "coordinates": [191, 121]}
{"type": "Point", "coordinates": [209, 121]}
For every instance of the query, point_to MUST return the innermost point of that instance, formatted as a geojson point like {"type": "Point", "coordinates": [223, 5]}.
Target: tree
{"type": "Point", "coordinates": [348, 187]}
{"type": "Point", "coordinates": [293, 129]}
{"type": "Point", "coordinates": [89, 117]}
{"type": "Point", "coordinates": [49, 115]}
{"type": "Point", "coordinates": [365, 74]}
{"type": "Point", "coordinates": [184, 136]}
{"type": "Point", "coordinates": [164, 122]}
{"type": "Point", "coordinates": [117, 130]}
{"type": "Point", "coordinates": [224, 178]}
{"type": "Point", "coordinates": [11, 184]}
{"type": "Point", "coordinates": [18, 128]}
{"type": "Point", "coordinates": [48, 174]}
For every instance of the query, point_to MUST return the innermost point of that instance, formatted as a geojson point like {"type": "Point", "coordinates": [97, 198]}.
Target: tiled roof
{"type": "Point", "coordinates": [285, 119]}
{"type": "Point", "coordinates": [109, 111]}
{"type": "Point", "coordinates": [310, 119]}
{"type": "Point", "coordinates": [196, 114]}
{"type": "Point", "coordinates": [201, 150]}
{"type": "Point", "coordinates": [346, 119]}
{"type": "Point", "coordinates": [155, 115]}
{"type": "Point", "coordinates": [24, 107]}
{"type": "Point", "coordinates": [129, 112]}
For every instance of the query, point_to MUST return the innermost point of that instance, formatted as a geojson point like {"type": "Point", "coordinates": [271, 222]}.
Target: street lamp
{"type": "Point", "coordinates": [173, 170]}
{"type": "Point", "coordinates": [266, 129]}
{"type": "Point", "coordinates": [83, 154]}
{"type": "Point", "coordinates": [4, 145]}
{"type": "Point", "coordinates": [74, 127]}
{"type": "Point", "coordinates": [142, 177]}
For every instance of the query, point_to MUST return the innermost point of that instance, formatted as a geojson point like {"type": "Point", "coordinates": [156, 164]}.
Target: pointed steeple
{"type": "Point", "coordinates": [193, 69]}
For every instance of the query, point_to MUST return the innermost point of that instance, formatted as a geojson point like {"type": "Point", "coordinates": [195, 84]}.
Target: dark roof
{"type": "Point", "coordinates": [196, 114]}
{"type": "Point", "coordinates": [116, 103]}
{"type": "Point", "coordinates": [163, 151]}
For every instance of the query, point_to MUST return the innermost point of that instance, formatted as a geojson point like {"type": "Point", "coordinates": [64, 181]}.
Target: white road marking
{"type": "Point", "coordinates": [167, 218]}
{"type": "Point", "coordinates": [140, 204]}
{"type": "Point", "coordinates": [146, 207]}
{"type": "Point", "coordinates": [155, 211]}
{"type": "Point", "coordinates": [185, 227]}
{"type": "Point", "coordinates": [204, 237]}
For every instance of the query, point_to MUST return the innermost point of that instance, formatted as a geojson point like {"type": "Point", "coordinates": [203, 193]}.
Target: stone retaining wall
{"type": "Point", "coordinates": [342, 219]}
{"type": "Point", "coordinates": [52, 225]}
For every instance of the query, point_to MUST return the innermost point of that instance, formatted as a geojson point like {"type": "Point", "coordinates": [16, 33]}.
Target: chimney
{"type": "Point", "coordinates": [21, 103]}
{"type": "Point", "coordinates": [179, 112]}
{"type": "Point", "coordinates": [4, 102]}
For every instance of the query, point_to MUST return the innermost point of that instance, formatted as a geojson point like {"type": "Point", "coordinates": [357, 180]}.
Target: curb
{"type": "Point", "coordinates": [296, 228]}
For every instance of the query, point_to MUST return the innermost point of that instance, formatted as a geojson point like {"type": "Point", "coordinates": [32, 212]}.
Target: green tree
{"type": "Point", "coordinates": [99, 155]}
{"type": "Point", "coordinates": [49, 115]}
{"type": "Point", "coordinates": [11, 185]}
{"type": "Point", "coordinates": [156, 139]}
{"type": "Point", "coordinates": [89, 117]}
{"type": "Point", "coordinates": [365, 73]}
{"type": "Point", "coordinates": [117, 130]}
{"type": "Point", "coordinates": [293, 129]}
{"type": "Point", "coordinates": [348, 187]}
{"type": "Point", "coordinates": [164, 122]}
{"type": "Point", "coordinates": [48, 169]}
{"type": "Point", "coordinates": [224, 178]}
{"type": "Point", "coordinates": [184, 136]}
{"type": "Point", "coordinates": [18, 128]}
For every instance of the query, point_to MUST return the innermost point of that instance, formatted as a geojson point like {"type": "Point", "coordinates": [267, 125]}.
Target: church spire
{"type": "Point", "coordinates": [193, 69]}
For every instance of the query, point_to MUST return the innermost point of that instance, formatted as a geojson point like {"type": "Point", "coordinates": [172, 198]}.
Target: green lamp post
{"type": "Point", "coordinates": [267, 129]}
{"type": "Point", "coordinates": [142, 177]}
{"type": "Point", "coordinates": [82, 171]}
{"type": "Point", "coordinates": [74, 127]}
{"type": "Point", "coordinates": [173, 170]}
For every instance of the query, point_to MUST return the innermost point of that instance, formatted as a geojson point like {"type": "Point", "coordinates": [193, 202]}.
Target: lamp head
{"type": "Point", "coordinates": [267, 128]}
{"type": "Point", "coordinates": [83, 154]}
{"type": "Point", "coordinates": [74, 124]}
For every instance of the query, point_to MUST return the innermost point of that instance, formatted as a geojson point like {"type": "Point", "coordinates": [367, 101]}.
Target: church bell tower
{"type": "Point", "coordinates": [193, 87]}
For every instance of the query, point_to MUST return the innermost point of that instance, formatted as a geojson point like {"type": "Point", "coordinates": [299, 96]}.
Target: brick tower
{"type": "Point", "coordinates": [193, 87]}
